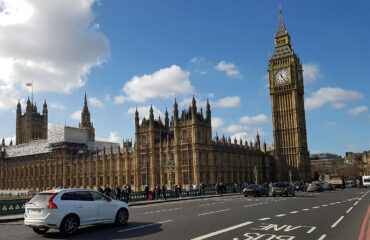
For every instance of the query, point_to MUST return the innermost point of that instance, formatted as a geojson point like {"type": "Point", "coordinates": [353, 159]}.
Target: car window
{"type": "Point", "coordinates": [41, 198]}
{"type": "Point", "coordinates": [84, 196]}
{"type": "Point", "coordinates": [98, 196]}
{"type": "Point", "coordinates": [252, 187]}
{"type": "Point", "coordinates": [69, 196]}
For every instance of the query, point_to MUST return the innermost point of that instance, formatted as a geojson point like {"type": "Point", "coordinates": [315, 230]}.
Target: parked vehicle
{"type": "Point", "coordinates": [255, 190]}
{"type": "Point", "coordinates": [282, 189]}
{"type": "Point", "coordinates": [350, 184]}
{"type": "Point", "coordinates": [68, 209]}
{"type": "Point", "coordinates": [337, 182]}
{"type": "Point", "coordinates": [366, 181]}
{"type": "Point", "coordinates": [315, 187]}
{"type": "Point", "coordinates": [328, 186]}
{"type": "Point", "coordinates": [300, 186]}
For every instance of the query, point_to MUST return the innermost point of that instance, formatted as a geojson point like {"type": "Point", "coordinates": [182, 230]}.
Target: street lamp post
{"type": "Point", "coordinates": [290, 176]}
{"type": "Point", "coordinates": [255, 171]}
{"type": "Point", "coordinates": [170, 165]}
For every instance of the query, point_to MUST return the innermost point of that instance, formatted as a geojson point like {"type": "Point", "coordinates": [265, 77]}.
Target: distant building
{"type": "Point", "coordinates": [325, 164]}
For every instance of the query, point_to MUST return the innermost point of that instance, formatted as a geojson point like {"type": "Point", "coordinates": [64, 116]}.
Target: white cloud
{"type": "Point", "coordinates": [76, 115]}
{"type": "Point", "coordinates": [230, 69]}
{"type": "Point", "coordinates": [57, 106]}
{"type": "Point", "coordinates": [311, 73]}
{"type": "Point", "coordinates": [350, 147]}
{"type": "Point", "coordinates": [338, 105]}
{"type": "Point", "coordinates": [8, 139]}
{"type": "Point", "coordinates": [260, 118]}
{"type": "Point", "coordinates": [113, 137]}
{"type": "Point", "coordinates": [235, 128]}
{"type": "Point", "coordinates": [197, 60]}
{"type": "Point", "coordinates": [144, 111]}
{"type": "Point", "coordinates": [95, 102]}
{"type": "Point", "coordinates": [216, 122]}
{"type": "Point", "coordinates": [249, 135]}
{"type": "Point", "coordinates": [211, 95]}
{"type": "Point", "coordinates": [108, 98]}
{"type": "Point", "coordinates": [227, 102]}
{"type": "Point", "coordinates": [326, 95]}
{"type": "Point", "coordinates": [49, 42]}
{"type": "Point", "coordinates": [357, 110]}
{"type": "Point", "coordinates": [243, 136]}
{"type": "Point", "coordinates": [165, 83]}
{"type": "Point", "coordinates": [331, 123]}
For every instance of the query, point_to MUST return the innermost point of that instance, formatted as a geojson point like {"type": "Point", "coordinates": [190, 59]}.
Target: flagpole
{"type": "Point", "coordinates": [32, 92]}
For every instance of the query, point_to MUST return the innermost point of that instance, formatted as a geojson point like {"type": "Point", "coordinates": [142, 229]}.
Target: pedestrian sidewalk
{"type": "Point", "coordinates": [17, 217]}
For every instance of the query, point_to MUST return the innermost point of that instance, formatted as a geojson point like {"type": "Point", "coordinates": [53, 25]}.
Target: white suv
{"type": "Point", "coordinates": [70, 208]}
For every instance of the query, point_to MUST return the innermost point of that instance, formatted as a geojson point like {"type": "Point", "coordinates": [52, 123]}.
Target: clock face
{"type": "Point", "coordinates": [282, 76]}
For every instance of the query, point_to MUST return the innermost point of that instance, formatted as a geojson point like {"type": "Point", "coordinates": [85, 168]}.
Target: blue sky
{"type": "Point", "coordinates": [137, 53]}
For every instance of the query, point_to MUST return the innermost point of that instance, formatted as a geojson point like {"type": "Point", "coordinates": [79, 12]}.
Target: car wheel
{"type": "Point", "coordinates": [40, 230]}
{"type": "Point", "coordinates": [122, 217]}
{"type": "Point", "coordinates": [69, 225]}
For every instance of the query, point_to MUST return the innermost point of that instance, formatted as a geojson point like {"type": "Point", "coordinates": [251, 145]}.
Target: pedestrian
{"type": "Point", "coordinates": [187, 190]}
{"type": "Point", "coordinates": [202, 188]}
{"type": "Point", "coordinates": [164, 191]}
{"type": "Point", "coordinates": [221, 188]}
{"type": "Point", "coordinates": [234, 188]}
{"type": "Point", "coordinates": [107, 190]}
{"type": "Point", "coordinates": [146, 191]}
{"type": "Point", "coordinates": [217, 189]}
{"type": "Point", "coordinates": [128, 192]}
{"type": "Point", "coordinates": [175, 190]}
{"type": "Point", "coordinates": [179, 191]}
{"type": "Point", "coordinates": [99, 189]}
{"type": "Point", "coordinates": [195, 189]}
{"type": "Point", "coordinates": [117, 192]}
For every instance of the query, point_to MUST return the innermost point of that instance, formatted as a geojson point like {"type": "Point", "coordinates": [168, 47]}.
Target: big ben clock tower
{"type": "Point", "coordinates": [288, 114]}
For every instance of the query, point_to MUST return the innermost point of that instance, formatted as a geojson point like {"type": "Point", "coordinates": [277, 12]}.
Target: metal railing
{"type": "Point", "coordinates": [14, 206]}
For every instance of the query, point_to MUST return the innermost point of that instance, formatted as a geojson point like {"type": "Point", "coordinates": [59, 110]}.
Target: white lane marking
{"type": "Point", "coordinates": [280, 215]}
{"type": "Point", "coordinates": [311, 230]}
{"type": "Point", "coordinates": [294, 212]}
{"type": "Point", "coordinates": [349, 209]}
{"type": "Point", "coordinates": [148, 225]}
{"type": "Point", "coordinates": [317, 207]}
{"type": "Point", "coordinates": [338, 202]}
{"type": "Point", "coordinates": [324, 205]}
{"type": "Point", "coordinates": [222, 231]}
{"type": "Point", "coordinates": [263, 219]}
{"type": "Point", "coordinates": [224, 210]}
{"type": "Point", "coordinates": [355, 203]}
{"type": "Point", "coordinates": [322, 237]}
{"type": "Point", "coordinates": [338, 221]}
{"type": "Point", "coordinates": [209, 204]}
{"type": "Point", "coordinates": [164, 210]}
{"type": "Point", "coordinates": [305, 209]}
{"type": "Point", "coordinates": [332, 203]}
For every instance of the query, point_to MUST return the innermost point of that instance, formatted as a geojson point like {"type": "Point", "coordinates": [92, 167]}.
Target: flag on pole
{"type": "Point", "coordinates": [28, 84]}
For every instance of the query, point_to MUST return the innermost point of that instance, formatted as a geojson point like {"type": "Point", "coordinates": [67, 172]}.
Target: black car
{"type": "Point", "coordinates": [255, 190]}
{"type": "Point", "coordinates": [282, 189]}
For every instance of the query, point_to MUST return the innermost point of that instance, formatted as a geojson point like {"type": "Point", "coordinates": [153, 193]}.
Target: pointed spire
{"type": "Point", "coordinates": [281, 29]}
{"type": "Point", "coordinates": [28, 101]}
{"type": "Point", "coordinates": [136, 113]}
{"type": "Point", "coordinates": [175, 110]}
{"type": "Point", "coordinates": [85, 103]}
{"type": "Point", "coordinates": [193, 103]}
{"type": "Point", "coordinates": [3, 142]}
{"type": "Point", "coordinates": [19, 103]}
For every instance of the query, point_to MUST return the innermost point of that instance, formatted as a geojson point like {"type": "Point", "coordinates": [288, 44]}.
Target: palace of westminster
{"type": "Point", "coordinates": [69, 157]}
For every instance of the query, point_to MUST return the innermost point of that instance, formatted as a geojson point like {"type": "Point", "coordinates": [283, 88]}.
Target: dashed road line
{"type": "Point", "coordinates": [349, 209]}
{"type": "Point", "coordinates": [305, 209]}
{"type": "Point", "coordinates": [294, 212]}
{"type": "Point", "coordinates": [264, 219]}
{"type": "Point", "coordinates": [164, 210]}
{"type": "Point", "coordinates": [337, 222]}
{"type": "Point", "coordinates": [280, 215]}
{"type": "Point", "coordinates": [207, 213]}
{"type": "Point", "coordinates": [355, 203]}
{"type": "Point", "coordinates": [143, 226]}
{"type": "Point", "coordinates": [325, 205]}
{"type": "Point", "coordinates": [316, 207]}
{"type": "Point", "coordinates": [322, 237]}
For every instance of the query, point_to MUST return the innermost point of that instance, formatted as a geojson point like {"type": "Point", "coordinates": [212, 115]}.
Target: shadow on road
{"type": "Point", "coordinates": [111, 231]}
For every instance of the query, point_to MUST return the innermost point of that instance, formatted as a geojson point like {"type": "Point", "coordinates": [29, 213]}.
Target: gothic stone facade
{"type": "Point", "coordinates": [186, 139]}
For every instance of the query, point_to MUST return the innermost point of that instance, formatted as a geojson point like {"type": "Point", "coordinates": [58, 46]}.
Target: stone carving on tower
{"type": "Point", "coordinates": [86, 122]}
{"type": "Point", "coordinates": [32, 125]}
{"type": "Point", "coordinates": [288, 113]}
